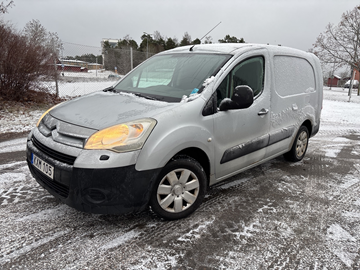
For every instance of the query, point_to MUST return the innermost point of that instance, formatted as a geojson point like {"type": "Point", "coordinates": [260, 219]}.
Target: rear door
{"type": "Point", "coordinates": [241, 136]}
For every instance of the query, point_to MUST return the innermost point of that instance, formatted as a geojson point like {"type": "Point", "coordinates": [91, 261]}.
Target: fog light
{"type": "Point", "coordinates": [96, 196]}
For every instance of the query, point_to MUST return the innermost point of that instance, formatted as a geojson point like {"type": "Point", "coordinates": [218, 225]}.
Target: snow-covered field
{"type": "Point", "coordinates": [71, 84]}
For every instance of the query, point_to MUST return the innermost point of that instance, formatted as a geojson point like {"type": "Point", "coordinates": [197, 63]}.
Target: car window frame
{"type": "Point", "coordinates": [229, 78]}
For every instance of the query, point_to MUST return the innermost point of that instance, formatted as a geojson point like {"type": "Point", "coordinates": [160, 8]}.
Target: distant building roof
{"type": "Point", "coordinates": [72, 61]}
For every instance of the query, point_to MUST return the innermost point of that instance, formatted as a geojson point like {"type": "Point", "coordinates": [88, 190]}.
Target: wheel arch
{"type": "Point", "coordinates": [307, 123]}
{"type": "Point", "coordinates": [200, 156]}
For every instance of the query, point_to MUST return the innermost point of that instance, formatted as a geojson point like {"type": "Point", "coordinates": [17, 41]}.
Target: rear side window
{"type": "Point", "coordinates": [293, 75]}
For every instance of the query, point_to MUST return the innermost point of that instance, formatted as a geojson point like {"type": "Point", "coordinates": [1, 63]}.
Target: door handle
{"type": "Point", "coordinates": [263, 112]}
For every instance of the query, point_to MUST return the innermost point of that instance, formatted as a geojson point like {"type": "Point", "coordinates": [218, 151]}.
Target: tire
{"type": "Point", "coordinates": [179, 189]}
{"type": "Point", "coordinates": [299, 146]}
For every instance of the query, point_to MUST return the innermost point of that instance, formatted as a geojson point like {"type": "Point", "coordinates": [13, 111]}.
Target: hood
{"type": "Point", "coordinates": [104, 109]}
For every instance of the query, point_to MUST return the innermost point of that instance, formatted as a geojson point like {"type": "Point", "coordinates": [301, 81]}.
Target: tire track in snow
{"type": "Point", "coordinates": [15, 145]}
{"type": "Point", "coordinates": [342, 244]}
{"type": "Point", "coordinates": [349, 193]}
{"type": "Point", "coordinates": [20, 250]}
{"type": "Point", "coordinates": [337, 132]}
{"type": "Point", "coordinates": [19, 194]}
{"type": "Point", "coordinates": [4, 168]}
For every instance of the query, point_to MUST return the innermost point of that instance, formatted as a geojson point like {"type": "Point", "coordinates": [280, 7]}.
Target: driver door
{"type": "Point", "coordinates": [241, 135]}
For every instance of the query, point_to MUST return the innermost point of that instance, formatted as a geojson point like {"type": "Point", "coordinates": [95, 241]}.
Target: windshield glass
{"type": "Point", "coordinates": [169, 77]}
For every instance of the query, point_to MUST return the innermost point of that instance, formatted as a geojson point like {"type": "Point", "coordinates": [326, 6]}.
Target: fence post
{"type": "Point", "coordinates": [131, 58]}
{"type": "Point", "coordinates": [56, 78]}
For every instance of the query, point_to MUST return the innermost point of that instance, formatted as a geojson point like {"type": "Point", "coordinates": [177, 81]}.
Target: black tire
{"type": "Point", "coordinates": [179, 189]}
{"type": "Point", "coordinates": [299, 146]}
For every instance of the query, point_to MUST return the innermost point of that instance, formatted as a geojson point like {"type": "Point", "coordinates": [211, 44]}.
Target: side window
{"type": "Point", "coordinates": [293, 76]}
{"type": "Point", "coordinates": [249, 72]}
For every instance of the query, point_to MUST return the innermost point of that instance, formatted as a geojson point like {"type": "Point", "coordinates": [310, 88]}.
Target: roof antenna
{"type": "Point", "coordinates": [205, 36]}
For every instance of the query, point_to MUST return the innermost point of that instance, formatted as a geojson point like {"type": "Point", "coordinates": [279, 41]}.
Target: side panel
{"type": "Point", "coordinates": [179, 128]}
{"type": "Point", "coordinates": [294, 99]}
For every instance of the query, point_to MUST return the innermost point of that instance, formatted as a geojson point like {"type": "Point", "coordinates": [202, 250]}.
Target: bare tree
{"type": "Point", "coordinates": [5, 6]}
{"type": "Point", "coordinates": [339, 44]}
{"type": "Point", "coordinates": [48, 43]}
{"type": "Point", "coordinates": [37, 35]}
{"type": "Point", "coordinates": [26, 57]}
{"type": "Point", "coordinates": [186, 39]}
{"type": "Point", "coordinates": [208, 40]}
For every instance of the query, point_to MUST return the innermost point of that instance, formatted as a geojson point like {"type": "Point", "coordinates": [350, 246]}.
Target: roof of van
{"type": "Point", "coordinates": [230, 48]}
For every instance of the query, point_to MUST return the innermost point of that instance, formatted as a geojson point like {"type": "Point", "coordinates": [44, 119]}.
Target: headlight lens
{"type": "Point", "coordinates": [124, 137]}
{"type": "Point", "coordinates": [45, 113]}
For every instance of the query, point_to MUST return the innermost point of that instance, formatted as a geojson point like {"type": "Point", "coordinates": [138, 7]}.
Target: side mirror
{"type": "Point", "coordinates": [242, 98]}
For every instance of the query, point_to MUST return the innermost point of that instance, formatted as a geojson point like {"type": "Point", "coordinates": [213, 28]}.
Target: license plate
{"type": "Point", "coordinates": [42, 166]}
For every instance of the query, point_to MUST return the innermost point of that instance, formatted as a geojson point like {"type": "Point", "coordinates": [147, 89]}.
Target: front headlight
{"type": "Point", "coordinates": [124, 137]}
{"type": "Point", "coordinates": [45, 113]}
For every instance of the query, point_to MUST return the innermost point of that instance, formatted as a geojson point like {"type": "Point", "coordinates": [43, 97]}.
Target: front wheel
{"type": "Point", "coordinates": [300, 145]}
{"type": "Point", "coordinates": [179, 189]}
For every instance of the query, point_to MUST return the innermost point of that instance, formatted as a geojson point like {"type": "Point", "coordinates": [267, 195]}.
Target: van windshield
{"type": "Point", "coordinates": [169, 77]}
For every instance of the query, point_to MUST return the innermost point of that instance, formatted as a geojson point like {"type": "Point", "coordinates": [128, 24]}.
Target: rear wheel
{"type": "Point", "coordinates": [179, 190]}
{"type": "Point", "coordinates": [300, 145]}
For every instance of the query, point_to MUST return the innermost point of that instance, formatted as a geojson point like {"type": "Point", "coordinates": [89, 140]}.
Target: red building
{"type": "Point", "coordinates": [333, 81]}
{"type": "Point", "coordinates": [357, 75]}
{"type": "Point", "coordinates": [71, 68]}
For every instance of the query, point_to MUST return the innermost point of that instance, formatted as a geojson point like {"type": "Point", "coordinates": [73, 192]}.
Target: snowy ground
{"type": "Point", "coordinates": [276, 216]}
{"type": "Point", "coordinates": [81, 83]}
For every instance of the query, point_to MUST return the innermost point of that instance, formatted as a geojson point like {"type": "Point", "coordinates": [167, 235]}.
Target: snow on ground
{"type": "Point", "coordinates": [101, 73]}
{"type": "Point", "coordinates": [74, 89]}
{"type": "Point", "coordinates": [337, 109]}
{"type": "Point", "coordinates": [13, 145]}
{"type": "Point", "coordinates": [18, 122]}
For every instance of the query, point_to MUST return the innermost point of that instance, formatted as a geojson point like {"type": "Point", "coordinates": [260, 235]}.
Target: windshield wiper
{"type": "Point", "coordinates": [145, 96]}
{"type": "Point", "coordinates": [109, 89]}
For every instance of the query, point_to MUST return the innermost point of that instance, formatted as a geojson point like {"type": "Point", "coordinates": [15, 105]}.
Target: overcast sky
{"type": "Point", "coordinates": [293, 23]}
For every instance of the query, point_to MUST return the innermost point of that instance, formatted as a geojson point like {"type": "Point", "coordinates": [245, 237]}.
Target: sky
{"type": "Point", "coordinates": [292, 23]}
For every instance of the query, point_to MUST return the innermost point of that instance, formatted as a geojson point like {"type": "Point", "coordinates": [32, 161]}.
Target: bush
{"type": "Point", "coordinates": [22, 64]}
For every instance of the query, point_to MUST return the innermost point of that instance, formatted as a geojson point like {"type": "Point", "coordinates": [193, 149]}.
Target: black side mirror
{"type": "Point", "coordinates": [242, 98]}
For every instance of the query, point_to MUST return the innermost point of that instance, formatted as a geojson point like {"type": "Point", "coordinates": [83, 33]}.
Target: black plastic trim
{"type": "Point", "coordinates": [257, 144]}
{"type": "Point", "coordinates": [244, 149]}
{"type": "Point", "coordinates": [100, 191]}
{"type": "Point", "coordinates": [52, 153]}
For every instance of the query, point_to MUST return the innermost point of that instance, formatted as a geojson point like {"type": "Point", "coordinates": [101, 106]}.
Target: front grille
{"type": "Point", "coordinates": [58, 188]}
{"type": "Point", "coordinates": [52, 153]}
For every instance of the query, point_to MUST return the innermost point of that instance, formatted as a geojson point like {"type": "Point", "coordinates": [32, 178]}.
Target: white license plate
{"type": "Point", "coordinates": [42, 166]}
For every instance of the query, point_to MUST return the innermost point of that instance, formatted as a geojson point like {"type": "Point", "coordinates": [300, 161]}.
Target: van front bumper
{"type": "Point", "coordinates": [119, 190]}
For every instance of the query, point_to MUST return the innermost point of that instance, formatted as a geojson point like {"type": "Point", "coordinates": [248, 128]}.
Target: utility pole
{"type": "Point", "coordinates": [351, 83]}
{"type": "Point", "coordinates": [56, 76]}
{"type": "Point", "coordinates": [131, 58]}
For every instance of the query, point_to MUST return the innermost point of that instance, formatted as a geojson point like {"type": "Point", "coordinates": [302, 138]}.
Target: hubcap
{"type": "Point", "coordinates": [178, 190]}
{"type": "Point", "coordinates": [301, 144]}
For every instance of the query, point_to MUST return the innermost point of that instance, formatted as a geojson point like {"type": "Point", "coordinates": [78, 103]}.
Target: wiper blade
{"type": "Point", "coordinates": [109, 89]}
{"type": "Point", "coordinates": [145, 96]}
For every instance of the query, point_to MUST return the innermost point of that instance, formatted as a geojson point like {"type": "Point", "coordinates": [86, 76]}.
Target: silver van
{"type": "Point", "coordinates": [180, 122]}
